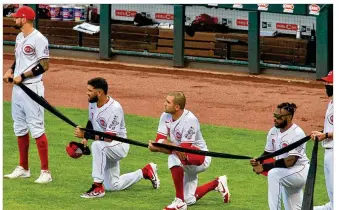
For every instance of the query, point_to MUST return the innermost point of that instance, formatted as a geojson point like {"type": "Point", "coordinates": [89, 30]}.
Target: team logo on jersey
{"type": "Point", "coordinates": [102, 122]}
{"type": "Point", "coordinates": [190, 133]}
{"type": "Point", "coordinates": [28, 49]}
{"type": "Point", "coordinates": [284, 145]}
{"type": "Point", "coordinates": [178, 135]}
{"type": "Point", "coordinates": [114, 123]}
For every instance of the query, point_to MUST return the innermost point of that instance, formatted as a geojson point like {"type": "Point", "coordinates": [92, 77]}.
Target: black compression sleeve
{"type": "Point", "coordinates": [38, 69]}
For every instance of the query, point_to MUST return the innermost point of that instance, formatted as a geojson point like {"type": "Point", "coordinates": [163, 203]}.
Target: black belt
{"type": "Point", "coordinates": [328, 148]}
{"type": "Point", "coordinates": [32, 82]}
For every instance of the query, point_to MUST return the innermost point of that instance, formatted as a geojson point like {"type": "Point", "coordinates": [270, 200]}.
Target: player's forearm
{"type": "Point", "coordinates": [281, 163]}
{"type": "Point", "coordinates": [163, 150]}
{"type": "Point", "coordinates": [42, 67]}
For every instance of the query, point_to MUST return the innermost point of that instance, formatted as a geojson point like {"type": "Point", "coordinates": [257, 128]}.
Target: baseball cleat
{"type": "Point", "coordinates": [95, 192]}
{"type": "Point", "coordinates": [45, 177]}
{"type": "Point", "coordinates": [177, 204]}
{"type": "Point", "coordinates": [153, 175]}
{"type": "Point", "coordinates": [223, 188]}
{"type": "Point", "coordinates": [19, 172]}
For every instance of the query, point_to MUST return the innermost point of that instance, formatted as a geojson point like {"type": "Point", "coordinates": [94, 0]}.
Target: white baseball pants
{"type": "Point", "coordinates": [106, 167]}
{"type": "Point", "coordinates": [190, 176]}
{"type": "Point", "coordinates": [26, 113]}
{"type": "Point", "coordinates": [288, 183]}
{"type": "Point", "coordinates": [328, 170]}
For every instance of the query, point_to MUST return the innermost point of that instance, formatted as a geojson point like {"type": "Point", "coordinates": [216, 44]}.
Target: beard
{"type": "Point", "coordinates": [329, 90]}
{"type": "Point", "coordinates": [93, 100]}
{"type": "Point", "coordinates": [18, 26]}
{"type": "Point", "coordinates": [282, 124]}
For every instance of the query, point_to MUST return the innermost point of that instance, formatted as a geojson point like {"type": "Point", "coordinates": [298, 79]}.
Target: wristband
{"type": "Point", "coordinates": [267, 166]}
{"type": "Point", "coordinates": [326, 135]}
{"type": "Point", "coordinates": [23, 77]}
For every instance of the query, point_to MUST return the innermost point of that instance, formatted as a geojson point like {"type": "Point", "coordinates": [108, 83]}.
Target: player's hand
{"type": "Point", "coordinates": [84, 141]}
{"type": "Point", "coordinates": [321, 136]}
{"type": "Point", "coordinates": [7, 75]}
{"type": "Point", "coordinates": [17, 80]}
{"type": "Point", "coordinates": [254, 162]}
{"type": "Point", "coordinates": [258, 169]}
{"type": "Point", "coordinates": [151, 147]}
{"type": "Point", "coordinates": [78, 132]}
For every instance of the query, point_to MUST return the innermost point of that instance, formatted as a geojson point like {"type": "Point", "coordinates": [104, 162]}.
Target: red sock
{"type": "Point", "coordinates": [23, 144]}
{"type": "Point", "coordinates": [178, 179]}
{"type": "Point", "coordinates": [202, 190]}
{"type": "Point", "coordinates": [42, 145]}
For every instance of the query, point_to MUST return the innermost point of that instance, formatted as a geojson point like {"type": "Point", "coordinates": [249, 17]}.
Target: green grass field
{"type": "Point", "coordinates": [72, 177]}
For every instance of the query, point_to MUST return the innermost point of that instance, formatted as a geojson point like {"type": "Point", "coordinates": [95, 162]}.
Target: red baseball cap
{"type": "Point", "coordinates": [24, 12]}
{"type": "Point", "coordinates": [329, 77]}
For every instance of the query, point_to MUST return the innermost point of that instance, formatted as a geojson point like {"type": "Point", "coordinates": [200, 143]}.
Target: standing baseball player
{"type": "Point", "coordinates": [327, 142]}
{"type": "Point", "coordinates": [288, 173]}
{"type": "Point", "coordinates": [106, 115]}
{"type": "Point", "coordinates": [31, 61]}
{"type": "Point", "coordinates": [183, 129]}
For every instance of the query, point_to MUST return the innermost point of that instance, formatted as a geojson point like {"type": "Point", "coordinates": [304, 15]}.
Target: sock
{"type": "Point", "coordinates": [178, 179]}
{"type": "Point", "coordinates": [145, 172]}
{"type": "Point", "coordinates": [23, 144]}
{"type": "Point", "coordinates": [202, 190]}
{"type": "Point", "coordinates": [42, 145]}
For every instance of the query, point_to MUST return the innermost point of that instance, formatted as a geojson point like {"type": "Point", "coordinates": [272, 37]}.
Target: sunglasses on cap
{"type": "Point", "coordinates": [279, 116]}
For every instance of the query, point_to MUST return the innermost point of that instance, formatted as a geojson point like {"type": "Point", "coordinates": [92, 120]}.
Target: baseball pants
{"type": "Point", "coordinates": [26, 113]}
{"type": "Point", "coordinates": [328, 170]}
{"type": "Point", "coordinates": [288, 183]}
{"type": "Point", "coordinates": [190, 176]}
{"type": "Point", "coordinates": [106, 165]}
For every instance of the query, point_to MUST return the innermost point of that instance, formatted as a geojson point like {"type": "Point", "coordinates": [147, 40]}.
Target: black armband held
{"type": "Point", "coordinates": [13, 66]}
{"type": "Point", "coordinates": [89, 125]}
{"type": "Point", "coordinates": [38, 69]}
{"type": "Point", "coordinates": [88, 135]}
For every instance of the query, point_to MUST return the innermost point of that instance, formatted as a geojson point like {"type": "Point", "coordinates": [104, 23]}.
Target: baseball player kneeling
{"type": "Point", "coordinates": [183, 129]}
{"type": "Point", "coordinates": [288, 173]}
{"type": "Point", "coordinates": [106, 115]}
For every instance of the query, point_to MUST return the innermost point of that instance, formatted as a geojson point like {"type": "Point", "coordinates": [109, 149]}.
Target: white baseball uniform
{"type": "Point", "coordinates": [106, 155]}
{"type": "Point", "coordinates": [328, 157]}
{"type": "Point", "coordinates": [186, 129]}
{"type": "Point", "coordinates": [26, 113]}
{"type": "Point", "coordinates": [287, 182]}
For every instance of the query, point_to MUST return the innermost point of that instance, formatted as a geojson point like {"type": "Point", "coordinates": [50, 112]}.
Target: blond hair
{"type": "Point", "coordinates": [179, 98]}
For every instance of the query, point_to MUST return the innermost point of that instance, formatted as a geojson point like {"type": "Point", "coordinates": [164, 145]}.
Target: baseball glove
{"type": "Point", "coordinates": [76, 150]}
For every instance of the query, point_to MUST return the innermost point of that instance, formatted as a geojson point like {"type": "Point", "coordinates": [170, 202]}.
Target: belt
{"type": "Point", "coordinates": [328, 148]}
{"type": "Point", "coordinates": [32, 82]}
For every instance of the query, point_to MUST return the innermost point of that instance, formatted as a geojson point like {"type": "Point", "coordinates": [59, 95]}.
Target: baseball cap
{"type": "Point", "coordinates": [24, 12]}
{"type": "Point", "coordinates": [329, 77]}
